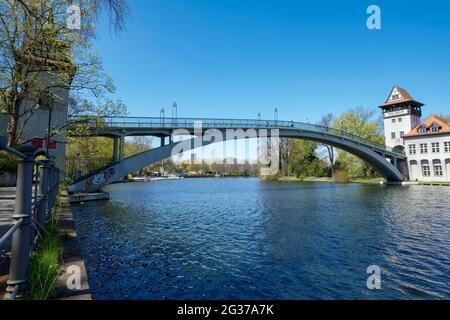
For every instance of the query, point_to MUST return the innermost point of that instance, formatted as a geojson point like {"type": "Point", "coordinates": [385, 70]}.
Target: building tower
{"type": "Point", "coordinates": [401, 113]}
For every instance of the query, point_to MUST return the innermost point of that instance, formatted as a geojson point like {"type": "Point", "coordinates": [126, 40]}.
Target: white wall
{"type": "Point", "coordinates": [403, 122]}
{"type": "Point", "coordinates": [415, 170]}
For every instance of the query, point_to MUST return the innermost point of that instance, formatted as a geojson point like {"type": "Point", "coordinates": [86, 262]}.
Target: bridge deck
{"type": "Point", "coordinates": [106, 125]}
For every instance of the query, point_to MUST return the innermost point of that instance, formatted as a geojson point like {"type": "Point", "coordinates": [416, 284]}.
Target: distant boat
{"type": "Point", "coordinates": [170, 177]}
{"type": "Point", "coordinates": [155, 178]}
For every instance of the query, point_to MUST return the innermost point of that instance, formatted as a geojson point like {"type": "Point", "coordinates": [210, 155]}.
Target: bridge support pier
{"type": "Point", "coordinates": [115, 147]}
{"type": "Point", "coordinates": [122, 147]}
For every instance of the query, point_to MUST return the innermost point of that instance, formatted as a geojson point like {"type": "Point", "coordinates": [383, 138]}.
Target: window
{"type": "Point", "coordinates": [402, 134]}
{"type": "Point", "coordinates": [400, 119]}
{"type": "Point", "coordinates": [435, 147]}
{"type": "Point", "coordinates": [426, 170]}
{"type": "Point", "coordinates": [393, 135]}
{"type": "Point", "coordinates": [447, 146]}
{"type": "Point", "coordinates": [422, 130]}
{"type": "Point", "coordinates": [423, 148]}
{"type": "Point", "coordinates": [412, 149]}
{"type": "Point", "coordinates": [438, 170]}
{"type": "Point", "coordinates": [434, 129]}
{"type": "Point", "coordinates": [393, 120]}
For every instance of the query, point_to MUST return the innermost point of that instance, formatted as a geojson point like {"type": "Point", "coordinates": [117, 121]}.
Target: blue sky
{"type": "Point", "coordinates": [235, 58]}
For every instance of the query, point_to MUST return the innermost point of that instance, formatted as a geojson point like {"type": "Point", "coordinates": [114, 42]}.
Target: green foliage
{"type": "Point", "coordinates": [304, 162]}
{"type": "Point", "coordinates": [44, 265]}
{"type": "Point", "coordinates": [341, 176]}
{"type": "Point", "coordinates": [358, 122]}
{"type": "Point", "coordinates": [34, 39]}
{"type": "Point", "coordinates": [99, 147]}
{"type": "Point", "coordinates": [8, 163]}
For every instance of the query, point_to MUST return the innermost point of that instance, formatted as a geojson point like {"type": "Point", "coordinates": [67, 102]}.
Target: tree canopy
{"type": "Point", "coordinates": [41, 57]}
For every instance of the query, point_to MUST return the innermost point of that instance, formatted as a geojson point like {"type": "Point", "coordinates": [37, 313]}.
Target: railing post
{"type": "Point", "coordinates": [122, 148]}
{"type": "Point", "coordinates": [43, 193]}
{"type": "Point", "coordinates": [115, 145]}
{"type": "Point", "coordinates": [23, 237]}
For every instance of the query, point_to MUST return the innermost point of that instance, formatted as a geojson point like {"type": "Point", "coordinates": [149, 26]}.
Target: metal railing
{"type": "Point", "coordinates": [179, 123]}
{"type": "Point", "coordinates": [32, 207]}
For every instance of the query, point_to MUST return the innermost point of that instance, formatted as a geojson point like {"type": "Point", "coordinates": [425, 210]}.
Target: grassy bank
{"type": "Point", "coordinates": [45, 260]}
{"type": "Point", "coordinates": [329, 179]}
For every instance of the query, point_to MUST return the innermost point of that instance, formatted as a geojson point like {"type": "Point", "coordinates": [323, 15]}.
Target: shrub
{"type": "Point", "coordinates": [8, 162]}
{"type": "Point", "coordinates": [44, 265]}
{"type": "Point", "coordinates": [341, 176]}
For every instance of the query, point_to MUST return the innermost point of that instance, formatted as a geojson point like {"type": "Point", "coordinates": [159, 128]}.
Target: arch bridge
{"type": "Point", "coordinates": [390, 163]}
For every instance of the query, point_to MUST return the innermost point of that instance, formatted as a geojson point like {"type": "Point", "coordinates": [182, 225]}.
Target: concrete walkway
{"type": "Point", "coordinates": [71, 256]}
{"type": "Point", "coordinates": [71, 253]}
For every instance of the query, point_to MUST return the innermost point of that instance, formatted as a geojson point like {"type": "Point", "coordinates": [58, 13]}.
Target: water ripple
{"type": "Point", "coordinates": [249, 239]}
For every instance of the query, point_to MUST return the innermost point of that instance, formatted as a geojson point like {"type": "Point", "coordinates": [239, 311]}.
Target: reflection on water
{"type": "Point", "coordinates": [250, 239]}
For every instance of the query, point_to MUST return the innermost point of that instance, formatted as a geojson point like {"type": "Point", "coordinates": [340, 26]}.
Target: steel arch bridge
{"type": "Point", "coordinates": [390, 163]}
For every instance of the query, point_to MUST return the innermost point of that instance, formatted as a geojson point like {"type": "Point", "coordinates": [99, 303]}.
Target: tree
{"type": "Point", "coordinates": [445, 117]}
{"type": "Point", "coordinates": [327, 121]}
{"type": "Point", "coordinates": [358, 122]}
{"type": "Point", "coordinates": [302, 157]}
{"type": "Point", "coordinates": [285, 147]}
{"type": "Point", "coordinates": [137, 144]}
{"type": "Point", "coordinates": [40, 58]}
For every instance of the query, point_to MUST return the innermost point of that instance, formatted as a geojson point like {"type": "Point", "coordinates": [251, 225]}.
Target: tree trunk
{"type": "Point", "coordinates": [14, 123]}
{"type": "Point", "coordinates": [12, 131]}
{"type": "Point", "coordinates": [331, 157]}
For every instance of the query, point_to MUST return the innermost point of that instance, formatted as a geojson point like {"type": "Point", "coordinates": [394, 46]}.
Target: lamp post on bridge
{"type": "Point", "coordinates": [162, 114]}
{"type": "Point", "coordinates": [275, 114]}
{"type": "Point", "coordinates": [174, 110]}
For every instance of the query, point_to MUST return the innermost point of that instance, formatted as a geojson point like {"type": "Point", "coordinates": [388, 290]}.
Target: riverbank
{"type": "Point", "coordinates": [331, 180]}
{"type": "Point", "coordinates": [72, 262]}
{"type": "Point", "coordinates": [362, 181]}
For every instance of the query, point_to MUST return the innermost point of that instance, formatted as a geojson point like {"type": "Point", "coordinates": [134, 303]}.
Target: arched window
{"type": "Point", "coordinates": [426, 170]}
{"type": "Point", "coordinates": [437, 168]}
{"type": "Point", "coordinates": [447, 168]}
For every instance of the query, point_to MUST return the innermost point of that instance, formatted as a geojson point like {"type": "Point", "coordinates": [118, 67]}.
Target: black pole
{"type": "Point", "coordinates": [49, 126]}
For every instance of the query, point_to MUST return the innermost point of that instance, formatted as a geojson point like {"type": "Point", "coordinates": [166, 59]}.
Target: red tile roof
{"type": "Point", "coordinates": [444, 127]}
{"type": "Point", "coordinates": [404, 97]}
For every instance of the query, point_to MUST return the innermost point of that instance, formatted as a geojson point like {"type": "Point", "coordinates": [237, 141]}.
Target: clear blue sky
{"type": "Point", "coordinates": [235, 58]}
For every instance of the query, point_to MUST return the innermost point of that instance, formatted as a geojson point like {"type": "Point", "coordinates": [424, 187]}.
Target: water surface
{"type": "Point", "coordinates": [245, 238]}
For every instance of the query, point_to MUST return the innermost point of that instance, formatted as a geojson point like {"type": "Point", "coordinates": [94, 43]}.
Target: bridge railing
{"type": "Point", "coordinates": [174, 123]}
{"type": "Point", "coordinates": [30, 212]}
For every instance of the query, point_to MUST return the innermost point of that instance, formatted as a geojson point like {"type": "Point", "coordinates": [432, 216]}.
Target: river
{"type": "Point", "coordinates": [244, 238]}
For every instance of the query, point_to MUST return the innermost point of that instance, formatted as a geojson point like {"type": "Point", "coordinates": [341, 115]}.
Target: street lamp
{"type": "Point", "coordinates": [275, 114]}
{"type": "Point", "coordinates": [174, 110]}
{"type": "Point", "coordinates": [161, 114]}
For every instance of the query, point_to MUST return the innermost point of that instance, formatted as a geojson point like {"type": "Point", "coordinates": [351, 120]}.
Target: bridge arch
{"type": "Point", "coordinates": [373, 156]}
